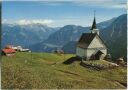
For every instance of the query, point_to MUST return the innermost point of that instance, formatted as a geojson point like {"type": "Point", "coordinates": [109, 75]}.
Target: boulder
{"type": "Point", "coordinates": [120, 61]}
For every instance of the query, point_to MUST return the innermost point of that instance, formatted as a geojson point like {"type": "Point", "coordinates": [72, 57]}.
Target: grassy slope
{"type": "Point", "coordinates": [47, 71]}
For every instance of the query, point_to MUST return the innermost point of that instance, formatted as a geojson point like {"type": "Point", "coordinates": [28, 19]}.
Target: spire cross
{"type": "Point", "coordinates": [94, 12]}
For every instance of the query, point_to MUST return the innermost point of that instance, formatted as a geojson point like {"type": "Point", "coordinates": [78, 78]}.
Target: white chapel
{"type": "Point", "coordinates": [90, 45]}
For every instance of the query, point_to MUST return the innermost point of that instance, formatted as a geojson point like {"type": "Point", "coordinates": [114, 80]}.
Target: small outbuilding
{"type": "Point", "coordinates": [59, 51]}
{"type": "Point", "coordinates": [8, 52]}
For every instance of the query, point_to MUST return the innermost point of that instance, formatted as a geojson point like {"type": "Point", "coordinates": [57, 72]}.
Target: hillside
{"type": "Point", "coordinates": [67, 47]}
{"type": "Point", "coordinates": [47, 70]}
{"type": "Point", "coordinates": [59, 38]}
{"type": "Point", "coordinates": [115, 36]}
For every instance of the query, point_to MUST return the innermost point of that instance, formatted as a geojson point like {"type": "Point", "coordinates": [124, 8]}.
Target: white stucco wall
{"type": "Point", "coordinates": [95, 45]}
{"type": "Point", "coordinates": [90, 52]}
{"type": "Point", "coordinates": [95, 31]}
{"type": "Point", "coordinates": [104, 51]}
{"type": "Point", "coordinates": [81, 52]}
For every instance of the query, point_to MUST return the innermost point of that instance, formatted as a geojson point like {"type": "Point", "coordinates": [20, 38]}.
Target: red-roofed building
{"type": "Point", "coordinates": [8, 52]}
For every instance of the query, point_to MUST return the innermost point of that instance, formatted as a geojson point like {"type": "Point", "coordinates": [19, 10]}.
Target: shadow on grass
{"type": "Point", "coordinates": [68, 72]}
{"type": "Point", "coordinates": [90, 66]}
{"type": "Point", "coordinates": [71, 60]}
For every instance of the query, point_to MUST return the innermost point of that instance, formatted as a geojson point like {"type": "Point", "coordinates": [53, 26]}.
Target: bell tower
{"type": "Point", "coordinates": [94, 27]}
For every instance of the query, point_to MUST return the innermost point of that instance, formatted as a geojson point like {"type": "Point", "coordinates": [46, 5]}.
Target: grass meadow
{"type": "Point", "coordinates": [47, 71]}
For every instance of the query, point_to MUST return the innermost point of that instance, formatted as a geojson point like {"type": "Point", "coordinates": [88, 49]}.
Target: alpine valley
{"type": "Point", "coordinates": [41, 38]}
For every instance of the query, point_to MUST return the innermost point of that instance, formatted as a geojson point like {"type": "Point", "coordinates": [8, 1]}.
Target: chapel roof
{"type": "Point", "coordinates": [86, 39]}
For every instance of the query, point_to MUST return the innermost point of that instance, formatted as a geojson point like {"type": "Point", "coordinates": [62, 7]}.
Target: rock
{"type": "Point", "coordinates": [120, 61]}
{"type": "Point", "coordinates": [108, 57]}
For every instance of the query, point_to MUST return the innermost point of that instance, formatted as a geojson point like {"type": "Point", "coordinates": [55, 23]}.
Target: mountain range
{"type": "Point", "coordinates": [41, 38]}
{"type": "Point", "coordinates": [25, 35]}
{"type": "Point", "coordinates": [66, 35]}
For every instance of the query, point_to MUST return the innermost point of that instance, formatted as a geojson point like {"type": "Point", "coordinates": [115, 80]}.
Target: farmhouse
{"type": "Point", "coordinates": [8, 51]}
{"type": "Point", "coordinates": [19, 48]}
{"type": "Point", "coordinates": [90, 45]}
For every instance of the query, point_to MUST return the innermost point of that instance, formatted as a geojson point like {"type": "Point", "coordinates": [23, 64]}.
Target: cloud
{"type": "Point", "coordinates": [4, 21]}
{"type": "Point", "coordinates": [120, 6]}
{"type": "Point", "coordinates": [103, 3]}
{"type": "Point", "coordinates": [26, 22]}
{"type": "Point", "coordinates": [100, 3]}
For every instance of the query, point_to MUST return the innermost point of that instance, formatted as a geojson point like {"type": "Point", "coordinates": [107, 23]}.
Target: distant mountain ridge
{"type": "Point", "coordinates": [59, 38]}
{"type": "Point", "coordinates": [65, 35]}
{"type": "Point", "coordinates": [25, 35]}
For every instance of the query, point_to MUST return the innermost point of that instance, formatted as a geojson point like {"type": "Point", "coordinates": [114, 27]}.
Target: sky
{"type": "Point", "coordinates": [57, 13]}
